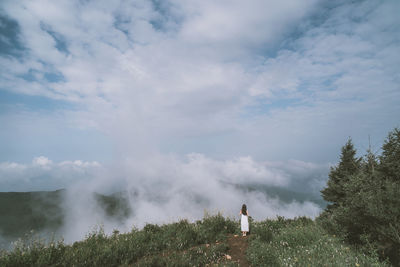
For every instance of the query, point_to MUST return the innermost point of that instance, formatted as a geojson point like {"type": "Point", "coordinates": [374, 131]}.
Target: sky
{"type": "Point", "coordinates": [143, 92]}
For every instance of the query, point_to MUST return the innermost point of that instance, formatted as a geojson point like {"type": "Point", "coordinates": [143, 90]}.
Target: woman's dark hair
{"type": "Point", "coordinates": [244, 209]}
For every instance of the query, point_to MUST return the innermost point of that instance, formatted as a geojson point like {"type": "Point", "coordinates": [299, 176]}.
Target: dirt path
{"type": "Point", "coordinates": [237, 249]}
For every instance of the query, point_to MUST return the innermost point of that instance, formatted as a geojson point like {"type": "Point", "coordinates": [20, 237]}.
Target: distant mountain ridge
{"type": "Point", "coordinates": [25, 211]}
{"type": "Point", "coordinates": [43, 212]}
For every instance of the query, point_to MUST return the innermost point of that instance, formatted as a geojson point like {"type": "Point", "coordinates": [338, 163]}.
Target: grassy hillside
{"type": "Point", "coordinates": [22, 212]}
{"type": "Point", "coordinates": [281, 242]}
{"type": "Point", "coordinates": [302, 242]}
{"type": "Point", "coordinates": [43, 212]}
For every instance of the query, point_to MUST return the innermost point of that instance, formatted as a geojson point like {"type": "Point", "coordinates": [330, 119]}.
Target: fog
{"type": "Point", "coordinates": [166, 188]}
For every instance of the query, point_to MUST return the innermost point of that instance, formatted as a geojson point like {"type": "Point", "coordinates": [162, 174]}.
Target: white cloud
{"type": "Point", "coordinates": [238, 24]}
{"type": "Point", "coordinates": [43, 174]}
{"type": "Point", "coordinates": [271, 80]}
{"type": "Point", "coordinates": [198, 75]}
{"type": "Point", "coordinates": [12, 167]}
{"type": "Point", "coordinates": [41, 161]}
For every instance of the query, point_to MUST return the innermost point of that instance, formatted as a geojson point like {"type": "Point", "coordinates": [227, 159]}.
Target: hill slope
{"type": "Point", "coordinates": [44, 212]}
{"type": "Point", "coordinates": [281, 242]}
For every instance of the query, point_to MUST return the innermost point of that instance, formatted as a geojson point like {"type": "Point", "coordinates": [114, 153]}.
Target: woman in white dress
{"type": "Point", "coordinates": [244, 220]}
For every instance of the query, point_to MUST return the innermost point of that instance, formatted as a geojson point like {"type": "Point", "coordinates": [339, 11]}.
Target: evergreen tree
{"type": "Point", "coordinates": [369, 163]}
{"type": "Point", "coordinates": [390, 158]}
{"type": "Point", "coordinates": [365, 196]}
{"type": "Point", "coordinates": [339, 175]}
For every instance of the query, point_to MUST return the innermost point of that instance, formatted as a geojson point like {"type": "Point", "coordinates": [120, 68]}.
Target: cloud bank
{"type": "Point", "coordinates": [163, 189]}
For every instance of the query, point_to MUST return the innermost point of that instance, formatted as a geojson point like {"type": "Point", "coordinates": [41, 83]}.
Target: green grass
{"type": "Point", "coordinates": [176, 244]}
{"type": "Point", "coordinates": [301, 242]}
{"type": "Point", "coordinates": [280, 242]}
{"type": "Point", "coordinates": [197, 256]}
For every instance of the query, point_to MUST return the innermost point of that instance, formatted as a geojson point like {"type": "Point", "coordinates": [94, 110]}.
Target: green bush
{"type": "Point", "coordinates": [214, 228]}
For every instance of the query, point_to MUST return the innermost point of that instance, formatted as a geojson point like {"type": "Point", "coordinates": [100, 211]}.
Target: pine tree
{"type": "Point", "coordinates": [365, 199]}
{"type": "Point", "coordinates": [370, 161]}
{"type": "Point", "coordinates": [339, 175]}
{"type": "Point", "coordinates": [390, 158]}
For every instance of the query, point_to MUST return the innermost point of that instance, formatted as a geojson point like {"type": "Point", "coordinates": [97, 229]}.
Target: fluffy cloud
{"type": "Point", "coordinates": [254, 78]}
{"type": "Point", "coordinates": [41, 161]}
{"type": "Point", "coordinates": [43, 174]}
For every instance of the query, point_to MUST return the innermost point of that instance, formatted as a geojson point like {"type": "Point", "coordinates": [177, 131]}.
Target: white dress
{"type": "Point", "coordinates": [244, 223]}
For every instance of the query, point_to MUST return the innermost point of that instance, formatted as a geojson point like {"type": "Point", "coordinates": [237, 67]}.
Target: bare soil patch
{"type": "Point", "coordinates": [237, 249]}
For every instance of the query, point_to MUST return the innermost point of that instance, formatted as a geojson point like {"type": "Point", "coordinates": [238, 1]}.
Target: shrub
{"type": "Point", "coordinates": [216, 227]}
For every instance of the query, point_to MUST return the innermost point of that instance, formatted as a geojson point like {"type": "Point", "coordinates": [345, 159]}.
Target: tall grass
{"type": "Point", "coordinates": [145, 247]}
{"type": "Point", "coordinates": [301, 242]}
{"type": "Point", "coordinates": [280, 242]}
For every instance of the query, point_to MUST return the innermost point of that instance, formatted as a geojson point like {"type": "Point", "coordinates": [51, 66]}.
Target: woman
{"type": "Point", "coordinates": [244, 220]}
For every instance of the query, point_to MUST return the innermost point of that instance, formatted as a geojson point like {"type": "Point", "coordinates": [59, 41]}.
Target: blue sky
{"type": "Point", "coordinates": [108, 80]}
